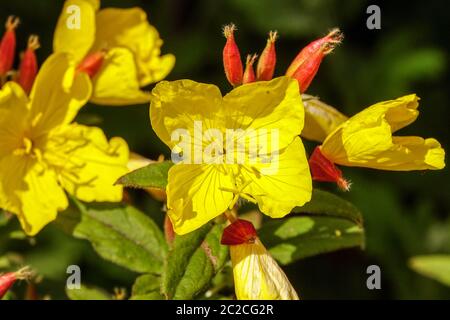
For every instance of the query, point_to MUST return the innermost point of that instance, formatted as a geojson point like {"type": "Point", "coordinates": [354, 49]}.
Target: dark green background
{"type": "Point", "coordinates": [405, 213]}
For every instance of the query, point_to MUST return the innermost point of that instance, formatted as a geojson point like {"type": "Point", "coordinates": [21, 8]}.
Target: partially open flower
{"type": "Point", "coordinates": [257, 276]}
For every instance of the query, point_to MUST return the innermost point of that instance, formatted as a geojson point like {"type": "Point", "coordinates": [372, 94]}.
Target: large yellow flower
{"type": "Point", "coordinates": [197, 192]}
{"type": "Point", "coordinates": [366, 139]}
{"type": "Point", "coordinates": [42, 153]}
{"type": "Point", "coordinates": [132, 45]}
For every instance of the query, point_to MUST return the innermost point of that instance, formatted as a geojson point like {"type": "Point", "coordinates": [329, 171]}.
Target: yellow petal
{"type": "Point", "coordinates": [410, 153]}
{"type": "Point", "coordinates": [179, 104]}
{"type": "Point", "coordinates": [116, 83]}
{"type": "Point", "coordinates": [320, 119]}
{"type": "Point", "coordinates": [282, 184]}
{"type": "Point", "coordinates": [257, 276]}
{"type": "Point", "coordinates": [129, 28]}
{"type": "Point", "coordinates": [14, 116]}
{"type": "Point", "coordinates": [58, 93]}
{"type": "Point", "coordinates": [30, 190]}
{"type": "Point", "coordinates": [75, 31]}
{"type": "Point", "coordinates": [365, 140]}
{"type": "Point", "coordinates": [195, 195]}
{"type": "Point", "coordinates": [265, 106]}
{"type": "Point", "coordinates": [11, 94]}
{"type": "Point", "coordinates": [88, 165]}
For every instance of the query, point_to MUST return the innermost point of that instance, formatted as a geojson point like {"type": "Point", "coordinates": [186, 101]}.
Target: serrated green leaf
{"type": "Point", "coordinates": [327, 204]}
{"type": "Point", "coordinates": [147, 287]}
{"type": "Point", "coordinates": [295, 238]}
{"type": "Point", "coordinates": [124, 235]}
{"type": "Point", "coordinates": [193, 261]}
{"type": "Point", "coordinates": [88, 293]}
{"type": "Point", "coordinates": [436, 267]}
{"type": "Point", "coordinates": [153, 175]}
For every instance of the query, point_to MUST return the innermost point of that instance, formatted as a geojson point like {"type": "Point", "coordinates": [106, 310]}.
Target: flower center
{"type": "Point", "coordinates": [28, 148]}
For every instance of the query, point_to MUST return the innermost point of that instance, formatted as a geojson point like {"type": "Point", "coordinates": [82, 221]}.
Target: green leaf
{"type": "Point", "coordinates": [193, 261]}
{"type": "Point", "coordinates": [124, 235]}
{"type": "Point", "coordinates": [153, 175]}
{"type": "Point", "coordinates": [436, 267]}
{"type": "Point", "coordinates": [88, 293]}
{"type": "Point", "coordinates": [147, 287]}
{"type": "Point", "coordinates": [297, 237]}
{"type": "Point", "coordinates": [327, 204]}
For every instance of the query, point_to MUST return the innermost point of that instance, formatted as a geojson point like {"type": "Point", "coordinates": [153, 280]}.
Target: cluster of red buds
{"type": "Point", "coordinates": [28, 67]}
{"type": "Point", "coordinates": [303, 68]}
{"type": "Point", "coordinates": [8, 279]}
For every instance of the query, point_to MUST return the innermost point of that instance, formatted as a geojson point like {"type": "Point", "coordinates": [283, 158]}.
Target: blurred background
{"type": "Point", "coordinates": [406, 214]}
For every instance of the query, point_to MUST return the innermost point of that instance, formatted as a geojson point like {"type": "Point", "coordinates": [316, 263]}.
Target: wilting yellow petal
{"type": "Point", "coordinates": [116, 83]}
{"type": "Point", "coordinates": [282, 184]}
{"type": "Point", "coordinates": [30, 190]}
{"type": "Point", "coordinates": [320, 119]}
{"type": "Point", "coordinates": [264, 106]}
{"type": "Point", "coordinates": [75, 31]}
{"type": "Point", "coordinates": [365, 140]}
{"type": "Point", "coordinates": [58, 93]}
{"type": "Point", "coordinates": [195, 195]}
{"type": "Point", "coordinates": [87, 163]}
{"type": "Point", "coordinates": [130, 29]}
{"type": "Point", "coordinates": [257, 276]}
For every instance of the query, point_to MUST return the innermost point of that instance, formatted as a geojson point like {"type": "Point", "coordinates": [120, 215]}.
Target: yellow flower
{"type": "Point", "coordinates": [366, 140]}
{"type": "Point", "coordinates": [278, 178]}
{"type": "Point", "coordinates": [42, 153]}
{"type": "Point", "coordinates": [320, 119]}
{"type": "Point", "coordinates": [133, 57]}
{"type": "Point", "coordinates": [257, 276]}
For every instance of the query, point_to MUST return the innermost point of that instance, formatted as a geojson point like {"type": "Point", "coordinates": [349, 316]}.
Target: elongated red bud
{"type": "Point", "coordinates": [268, 59]}
{"type": "Point", "coordinates": [8, 279]}
{"type": "Point", "coordinates": [92, 63]}
{"type": "Point", "coordinates": [324, 170]}
{"type": "Point", "coordinates": [249, 73]}
{"type": "Point", "coordinates": [231, 57]}
{"type": "Point", "coordinates": [239, 232]}
{"type": "Point", "coordinates": [8, 45]}
{"type": "Point", "coordinates": [306, 64]}
{"type": "Point", "coordinates": [29, 66]}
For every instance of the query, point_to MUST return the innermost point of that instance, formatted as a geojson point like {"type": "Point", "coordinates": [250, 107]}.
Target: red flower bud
{"type": "Point", "coordinates": [8, 279]}
{"type": "Point", "coordinates": [231, 57]}
{"type": "Point", "coordinates": [324, 170]}
{"type": "Point", "coordinates": [249, 73]}
{"type": "Point", "coordinates": [268, 59]}
{"type": "Point", "coordinates": [239, 232]}
{"type": "Point", "coordinates": [28, 66]}
{"type": "Point", "coordinates": [305, 66]}
{"type": "Point", "coordinates": [92, 63]}
{"type": "Point", "coordinates": [8, 45]}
